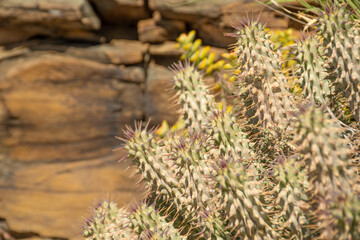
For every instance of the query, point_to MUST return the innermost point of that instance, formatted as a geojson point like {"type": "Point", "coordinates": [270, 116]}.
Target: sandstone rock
{"type": "Point", "coordinates": [62, 14]}
{"type": "Point", "coordinates": [71, 176]}
{"type": "Point", "coordinates": [11, 35]}
{"type": "Point", "coordinates": [52, 199]}
{"type": "Point", "coordinates": [149, 32]}
{"type": "Point", "coordinates": [118, 11]}
{"type": "Point", "coordinates": [3, 112]}
{"type": "Point", "coordinates": [62, 102]}
{"type": "Point", "coordinates": [20, 20]}
{"type": "Point", "coordinates": [158, 30]}
{"type": "Point", "coordinates": [234, 12]}
{"type": "Point", "coordinates": [59, 68]}
{"type": "Point", "coordinates": [61, 152]}
{"type": "Point", "coordinates": [165, 49]}
{"type": "Point", "coordinates": [165, 54]}
{"type": "Point", "coordinates": [70, 94]}
{"type": "Point", "coordinates": [79, 35]}
{"type": "Point", "coordinates": [189, 11]}
{"type": "Point", "coordinates": [118, 52]}
{"type": "Point", "coordinates": [58, 118]}
{"type": "Point", "coordinates": [159, 98]}
{"type": "Point", "coordinates": [212, 33]}
{"type": "Point", "coordinates": [36, 238]}
{"type": "Point", "coordinates": [15, 52]}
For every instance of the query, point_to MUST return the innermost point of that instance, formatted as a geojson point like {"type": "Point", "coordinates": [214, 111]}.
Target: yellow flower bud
{"type": "Point", "coordinates": [187, 46]}
{"type": "Point", "coordinates": [219, 64]}
{"type": "Point", "coordinates": [191, 36]}
{"type": "Point", "coordinates": [203, 64]}
{"type": "Point", "coordinates": [232, 78]}
{"type": "Point", "coordinates": [204, 52]}
{"type": "Point", "coordinates": [228, 66]}
{"type": "Point", "coordinates": [196, 45]}
{"type": "Point", "coordinates": [217, 87]}
{"type": "Point", "coordinates": [211, 58]}
{"type": "Point", "coordinates": [195, 56]}
{"type": "Point", "coordinates": [210, 69]}
{"type": "Point", "coordinates": [181, 38]}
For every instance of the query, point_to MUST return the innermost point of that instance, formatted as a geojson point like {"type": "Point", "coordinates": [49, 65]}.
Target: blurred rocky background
{"type": "Point", "coordinates": [73, 73]}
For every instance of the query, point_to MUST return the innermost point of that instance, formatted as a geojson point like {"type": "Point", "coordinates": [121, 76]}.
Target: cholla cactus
{"type": "Point", "coordinates": [313, 75]}
{"type": "Point", "coordinates": [327, 161]}
{"type": "Point", "coordinates": [241, 200]}
{"type": "Point", "coordinates": [291, 201]}
{"type": "Point", "coordinates": [278, 169]}
{"type": "Point", "coordinates": [342, 49]}
{"type": "Point", "coordinates": [194, 97]}
{"type": "Point", "coordinates": [142, 222]}
{"type": "Point", "coordinates": [107, 223]}
{"type": "Point", "coordinates": [261, 74]}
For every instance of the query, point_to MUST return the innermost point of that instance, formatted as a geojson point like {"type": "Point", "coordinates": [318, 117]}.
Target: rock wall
{"type": "Point", "coordinates": [72, 74]}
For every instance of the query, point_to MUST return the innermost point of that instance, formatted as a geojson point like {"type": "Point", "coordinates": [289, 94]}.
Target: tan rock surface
{"type": "Point", "coordinates": [54, 18]}
{"type": "Point", "coordinates": [70, 94]}
{"type": "Point", "coordinates": [11, 35]}
{"type": "Point", "coordinates": [189, 11]}
{"type": "Point", "coordinates": [3, 112]}
{"type": "Point", "coordinates": [15, 52]}
{"type": "Point", "coordinates": [160, 98]}
{"type": "Point", "coordinates": [157, 30]}
{"type": "Point", "coordinates": [59, 115]}
{"type": "Point", "coordinates": [118, 52]}
{"type": "Point", "coordinates": [213, 33]}
{"type": "Point", "coordinates": [118, 11]}
{"type": "Point", "coordinates": [66, 14]}
{"type": "Point", "coordinates": [165, 49]}
{"type": "Point", "coordinates": [234, 12]}
{"type": "Point", "coordinates": [51, 199]}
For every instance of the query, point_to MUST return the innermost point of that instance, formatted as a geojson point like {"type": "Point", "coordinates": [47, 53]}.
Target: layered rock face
{"type": "Point", "coordinates": [73, 73]}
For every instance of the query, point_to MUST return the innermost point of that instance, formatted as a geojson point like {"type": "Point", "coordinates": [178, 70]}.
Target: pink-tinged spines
{"type": "Point", "coordinates": [326, 158]}
{"type": "Point", "coordinates": [261, 76]}
{"type": "Point", "coordinates": [240, 195]}
{"type": "Point", "coordinates": [149, 156]}
{"type": "Point", "coordinates": [146, 222]}
{"type": "Point", "coordinates": [108, 223]}
{"type": "Point", "coordinates": [341, 39]}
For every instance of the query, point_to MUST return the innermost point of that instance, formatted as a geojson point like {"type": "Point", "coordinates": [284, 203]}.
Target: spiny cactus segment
{"type": "Point", "coordinates": [327, 162]}
{"type": "Point", "coordinates": [342, 49]}
{"type": "Point", "coordinates": [107, 223]}
{"type": "Point", "coordinates": [313, 75]}
{"type": "Point", "coordinates": [261, 74]}
{"type": "Point", "coordinates": [281, 166]}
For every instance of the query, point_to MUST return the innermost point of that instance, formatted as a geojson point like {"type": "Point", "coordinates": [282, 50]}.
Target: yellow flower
{"type": "Point", "coordinates": [164, 127]}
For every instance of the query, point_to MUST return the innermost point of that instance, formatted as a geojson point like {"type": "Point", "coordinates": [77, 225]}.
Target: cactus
{"type": "Point", "coordinates": [313, 75]}
{"type": "Point", "coordinates": [327, 160]}
{"type": "Point", "coordinates": [279, 165]}
{"type": "Point", "coordinates": [107, 223]}
{"type": "Point", "coordinates": [261, 75]}
{"type": "Point", "coordinates": [240, 195]}
{"type": "Point", "coordinates": [143, 222]}
{"type": "Point", "coordinates": [291, 186]}
{"type": "Point", "coordinates": [342, 48]}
